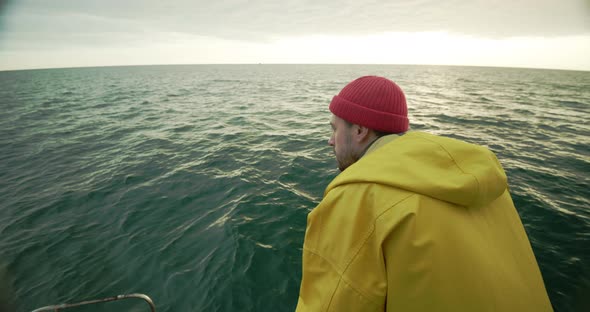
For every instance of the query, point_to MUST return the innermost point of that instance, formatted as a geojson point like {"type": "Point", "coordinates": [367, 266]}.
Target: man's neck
{"type": "Point", "coordinates": [372, 140]}
{"type": "Point", "coordinates": [380, 141]}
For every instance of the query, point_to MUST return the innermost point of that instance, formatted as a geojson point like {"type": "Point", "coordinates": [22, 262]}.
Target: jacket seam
{"type": "Point", "coordinates": [372, 230]}
{"type": "Point", "coordinates": [454, 162]}
{"type": "Point", "coordinates": [339, 279]}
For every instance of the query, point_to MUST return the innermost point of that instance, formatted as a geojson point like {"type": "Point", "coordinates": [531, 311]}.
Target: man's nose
{"type": "Point", "coordinates": [331, 141]}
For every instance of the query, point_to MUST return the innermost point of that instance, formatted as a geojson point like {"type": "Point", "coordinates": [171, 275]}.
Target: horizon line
{"type": "Point", "coordinates": [291, 64]}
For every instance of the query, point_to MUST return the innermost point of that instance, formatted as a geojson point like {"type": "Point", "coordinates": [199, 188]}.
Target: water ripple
{"type": "Point", "coordinates": [193, 183]}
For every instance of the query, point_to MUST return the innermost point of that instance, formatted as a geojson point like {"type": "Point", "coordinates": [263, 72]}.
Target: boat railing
{"type": "Point", "coordinates": [58, 307]}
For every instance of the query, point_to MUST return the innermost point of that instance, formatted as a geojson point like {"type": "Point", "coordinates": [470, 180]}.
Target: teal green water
{"type": "Point", "coordinates": [192, 183]}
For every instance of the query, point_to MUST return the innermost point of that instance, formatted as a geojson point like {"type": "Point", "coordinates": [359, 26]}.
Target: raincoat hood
{"type": "Point", "coordinates": [443, 168]}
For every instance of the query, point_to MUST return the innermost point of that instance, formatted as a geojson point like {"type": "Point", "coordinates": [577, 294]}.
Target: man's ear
{"type": "Point", "coordinates": [361, 133]}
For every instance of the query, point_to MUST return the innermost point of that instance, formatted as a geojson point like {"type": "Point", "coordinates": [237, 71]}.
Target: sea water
{"type": "Point", "coordinates": [192, 183]}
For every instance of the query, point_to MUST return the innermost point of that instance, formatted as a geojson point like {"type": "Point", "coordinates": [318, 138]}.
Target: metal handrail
{"type": "Point", "coordinates": [77, 304]}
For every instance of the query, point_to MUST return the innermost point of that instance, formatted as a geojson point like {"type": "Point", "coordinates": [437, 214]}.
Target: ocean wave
{"type": "Point", "coordinates": [193, 184]}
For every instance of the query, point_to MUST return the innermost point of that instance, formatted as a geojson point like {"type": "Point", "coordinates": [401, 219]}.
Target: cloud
{"type": "Point", "coordinates": [57, 33]}
{"type": "Point", "coordinates": [84, 22]}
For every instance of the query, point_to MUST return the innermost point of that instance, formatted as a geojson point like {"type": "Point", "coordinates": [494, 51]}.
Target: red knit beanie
{"type": "Point", "coordinates": [373, 102]}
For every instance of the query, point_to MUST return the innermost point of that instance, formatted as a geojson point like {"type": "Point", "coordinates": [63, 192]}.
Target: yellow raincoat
{"type": "Point", "coordinates": [420, 223]}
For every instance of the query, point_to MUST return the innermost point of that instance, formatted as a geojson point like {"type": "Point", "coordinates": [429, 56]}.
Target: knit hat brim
{"type": "Point", "coordinates": [370, 118]}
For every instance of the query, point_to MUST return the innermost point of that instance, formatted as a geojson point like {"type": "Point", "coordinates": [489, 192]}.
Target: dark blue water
{"type": "Point", "coordinates": [192, 183]}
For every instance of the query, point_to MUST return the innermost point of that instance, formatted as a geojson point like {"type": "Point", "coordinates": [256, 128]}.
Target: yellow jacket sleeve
{"type": "Point", "coordinates": [343, 263]}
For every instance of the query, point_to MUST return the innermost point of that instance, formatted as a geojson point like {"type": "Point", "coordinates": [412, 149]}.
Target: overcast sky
{"type": "Point", "coordinates": [514, 33]}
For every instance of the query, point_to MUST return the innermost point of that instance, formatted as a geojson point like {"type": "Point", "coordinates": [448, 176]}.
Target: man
{"type": "Point", "coordinates": [414, 222]}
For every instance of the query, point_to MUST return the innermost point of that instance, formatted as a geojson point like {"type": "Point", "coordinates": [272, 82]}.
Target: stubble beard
{"type": "Point", "coordinates": [348, 156]}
